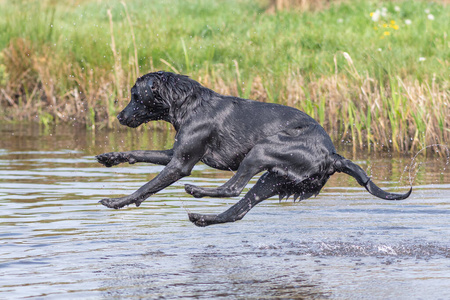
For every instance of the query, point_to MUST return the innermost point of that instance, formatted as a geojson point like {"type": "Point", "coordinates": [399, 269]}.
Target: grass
{"type": "Point", "coordinates": [378, 83]}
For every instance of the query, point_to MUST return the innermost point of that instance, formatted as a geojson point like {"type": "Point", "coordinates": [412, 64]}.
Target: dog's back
{"type": "Point", "coordinates": [239, 124]}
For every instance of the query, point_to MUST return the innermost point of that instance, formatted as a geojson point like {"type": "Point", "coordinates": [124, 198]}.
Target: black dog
{"type": "Point", "coordinates": [229, 133]}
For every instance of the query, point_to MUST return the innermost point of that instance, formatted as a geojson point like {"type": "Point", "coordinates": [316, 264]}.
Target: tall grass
{"type": "Point", "coordinates": [380, 81]}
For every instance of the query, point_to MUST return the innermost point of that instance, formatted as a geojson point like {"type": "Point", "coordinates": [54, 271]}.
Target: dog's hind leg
{"type": "Point", "coordinates": [267, 186]}
{"type": "Point", "coordinates": [249, 167]}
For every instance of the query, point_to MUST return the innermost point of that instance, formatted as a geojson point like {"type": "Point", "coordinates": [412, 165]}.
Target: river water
{"type": "Point", "coordinates": [57, 242]}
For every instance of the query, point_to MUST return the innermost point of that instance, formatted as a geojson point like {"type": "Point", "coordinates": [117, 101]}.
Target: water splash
{"type": "Point", "coordinates": [413, 249]}
{"type": "Point", "coordinates": [415, 166]}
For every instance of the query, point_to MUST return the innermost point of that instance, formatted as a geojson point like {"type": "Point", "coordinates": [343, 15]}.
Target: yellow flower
{"type": "Point", "coordinates": [392, 22]}
{"type": "Point", "coordinates": [371, 14]}
{"type": "Point", "coordinates": [395, 27]}
{"type": "Point", "coordinates": [385, 25]}
{"type": "Point", "coordinates": [386, 33]}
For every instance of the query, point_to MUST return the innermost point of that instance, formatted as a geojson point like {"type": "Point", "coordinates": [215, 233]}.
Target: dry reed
{"type": "Point", "coordinates": [375, 113]}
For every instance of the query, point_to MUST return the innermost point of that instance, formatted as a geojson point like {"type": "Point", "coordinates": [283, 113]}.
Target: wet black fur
{"type": "Point", "coordinates": [231, 133]}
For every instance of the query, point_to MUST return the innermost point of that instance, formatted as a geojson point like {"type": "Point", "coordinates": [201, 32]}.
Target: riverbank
{"type": "Point", "coordinates": [375, 74]}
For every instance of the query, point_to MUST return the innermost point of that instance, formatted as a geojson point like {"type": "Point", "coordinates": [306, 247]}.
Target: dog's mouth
{"type": "Point", "coordinates": [133, 121]}
{"type": "Point", "coordinates": [140, 118]}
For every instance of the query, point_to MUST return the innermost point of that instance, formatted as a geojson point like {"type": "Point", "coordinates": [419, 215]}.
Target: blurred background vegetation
{"type": "Point", "coordinates": [372, 73]}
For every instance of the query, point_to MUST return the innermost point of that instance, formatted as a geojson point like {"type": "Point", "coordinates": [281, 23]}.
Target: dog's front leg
{"type": "Point", "coordinates": [188, 149]}
{"type": "Point", "coordinates": [185, 155]}
{"type": "Point", "coordinates": [110, 159]}
{"type": "Point", "coordinates": [171, 173]}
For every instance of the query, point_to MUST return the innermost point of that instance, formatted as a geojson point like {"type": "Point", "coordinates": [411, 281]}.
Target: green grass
{"type": "Point", "coordinates": [62, 51]}
{"type": "Point", "coordinates": [194, 35]}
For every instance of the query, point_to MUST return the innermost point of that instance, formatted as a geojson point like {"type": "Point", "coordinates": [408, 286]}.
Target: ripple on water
{"type": "Point", "coordinates": [57, 241]}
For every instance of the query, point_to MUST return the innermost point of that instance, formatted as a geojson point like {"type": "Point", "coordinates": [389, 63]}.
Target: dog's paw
{"type": "Point", "coordinates": [111, 159]}
{"type": "Point", "coordinates": [194, 190]}
{"type": "Point", "coordinates": [200, 220]}
{"type": "Point", "coordinates": [111, 203]}
{"type": "Point", "coordinates": [117, 203]}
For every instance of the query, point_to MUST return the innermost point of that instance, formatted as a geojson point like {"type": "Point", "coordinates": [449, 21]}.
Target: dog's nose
{"type": "Point", "coordinates": [121, 117]}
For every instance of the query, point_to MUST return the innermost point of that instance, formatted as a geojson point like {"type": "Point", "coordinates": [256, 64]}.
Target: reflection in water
{"type": "Point", "coordinates": [57, 241]}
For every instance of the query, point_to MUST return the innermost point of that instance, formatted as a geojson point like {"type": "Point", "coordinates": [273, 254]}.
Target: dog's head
{"type": "Point", "coordinates": [147, 103]}
{"type": "Point", "coordinates": [161, 96]}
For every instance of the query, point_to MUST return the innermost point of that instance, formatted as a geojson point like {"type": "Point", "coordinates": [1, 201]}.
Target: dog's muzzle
{"type": "Point", "coordinates": [121, 118]}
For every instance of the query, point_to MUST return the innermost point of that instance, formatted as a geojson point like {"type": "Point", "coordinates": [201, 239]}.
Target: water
{"type": "Point", "coordinates": [57, 242]}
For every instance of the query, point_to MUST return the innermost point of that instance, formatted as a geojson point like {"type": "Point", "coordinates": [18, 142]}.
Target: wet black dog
{"type": "Point", "coordinates": [230, 133]}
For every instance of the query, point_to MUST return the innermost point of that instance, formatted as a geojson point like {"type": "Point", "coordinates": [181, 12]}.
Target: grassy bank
{"type": "Point", "coordinates": [376, 74]}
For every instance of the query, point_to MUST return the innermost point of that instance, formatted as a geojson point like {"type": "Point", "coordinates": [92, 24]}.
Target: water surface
{"type": "Point", "coordinates": [57, 242]}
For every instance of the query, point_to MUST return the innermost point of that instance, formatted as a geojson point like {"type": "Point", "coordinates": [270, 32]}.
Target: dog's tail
{"type": "Point", "coordinates": [348, 167]}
